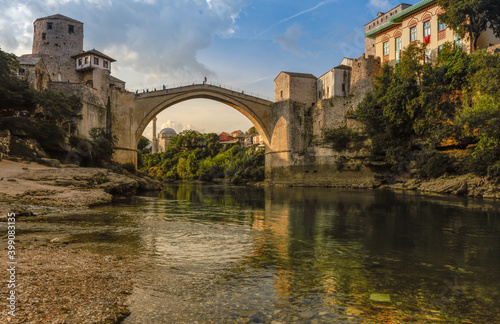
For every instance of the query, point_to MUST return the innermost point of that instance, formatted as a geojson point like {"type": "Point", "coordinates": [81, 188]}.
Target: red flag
{"type": "Point", "coordinates": [427, 39]}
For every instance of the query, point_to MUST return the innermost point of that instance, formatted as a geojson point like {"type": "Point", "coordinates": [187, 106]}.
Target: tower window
{"type": "Point", "coordinates": [96, 60]}
{"type": "Point", "coordinates": [71, 29]}
{"type": "Point", "coordinates": [80, 61]}
{"type": "Point", "coordinates": [105, 64]}
{"type": "Point", "coordinates": [44, 36]}
{"type": "Point", "coordinates": [49, 26]}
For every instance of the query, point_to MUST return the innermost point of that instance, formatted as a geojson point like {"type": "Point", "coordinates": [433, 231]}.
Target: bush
{"type": "Point", "coordinates": [102, 146]}
{"type": "Point", "coordinates": [341, 162]}
{"type": "Point", "coordinates": [129, 167]}
{"type": "Point", "coordinates": [494, 170]}
{"type": "Point", "coordinates": [340, 138]}
{"type": "Point", "coordinates": [50, 136]}
{"type": "Point", "coordinates": [435, 166]}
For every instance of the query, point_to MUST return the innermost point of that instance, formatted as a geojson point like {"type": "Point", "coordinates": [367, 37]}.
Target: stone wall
{"type": "Point", "coordinates": [122, 106]}
{"type": "Point", "coordinates": [93, 110]}
{"type": "Point", "coordinates": [297, 154]}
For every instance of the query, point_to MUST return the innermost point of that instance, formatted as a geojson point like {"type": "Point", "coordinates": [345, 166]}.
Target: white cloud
{"type": "Point", "coordinates": [178, 127]}
{"type": "Point", "coordinates": [289, 40]}
{"type": "Point", "coordinates": [380, 5]}
{"type": "Point", "coordinates": [159, 40]}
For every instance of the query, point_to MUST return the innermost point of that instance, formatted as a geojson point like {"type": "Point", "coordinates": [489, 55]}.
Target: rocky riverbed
{"type": "Point", "coordinates": [36, 189]}
{"type": "Point", "coordinates": [56, 281]}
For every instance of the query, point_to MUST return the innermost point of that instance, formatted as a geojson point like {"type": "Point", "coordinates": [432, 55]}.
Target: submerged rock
{"type": "Point", "coordinates": [381, 298]}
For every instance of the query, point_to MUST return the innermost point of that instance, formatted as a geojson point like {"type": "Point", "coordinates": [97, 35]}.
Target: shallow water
{"type": "Point", "coordinates": [226, 254]}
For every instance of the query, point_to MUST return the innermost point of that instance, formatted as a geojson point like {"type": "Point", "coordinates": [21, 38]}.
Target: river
{"type": "Point", "coordinates": [230, 254]}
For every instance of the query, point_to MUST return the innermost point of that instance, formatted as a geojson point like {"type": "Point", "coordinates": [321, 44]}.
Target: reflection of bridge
{"type": "Point", "coordinates": [150, 104]}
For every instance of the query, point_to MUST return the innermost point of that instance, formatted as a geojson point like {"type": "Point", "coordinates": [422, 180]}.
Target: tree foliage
{"type": "Point", "coordinates": [103, 144]}
{"type": "Point", "coordinates": [416, 106]}
{"type": "Point", "coordinates": [196, 156]}
{"type": "Point", "coordinates": [58, 106]}
{"type": "Point", "coordinates": [15, 93]}
{"type": "Point", "coordinates": [471, 17]}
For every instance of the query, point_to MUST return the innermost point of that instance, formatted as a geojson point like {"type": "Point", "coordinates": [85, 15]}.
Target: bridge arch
{"type": "Point", "coordinates": [150, 104]}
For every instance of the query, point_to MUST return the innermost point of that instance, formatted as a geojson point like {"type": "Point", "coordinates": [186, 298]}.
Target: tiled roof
{"type": "Point", "coordinates": [398, 18]}
{"type": "Point", "coordinates": [302, 75]}
{"type": "Point", "coordinates": [115, 80]}
{"type": "Point", "coordinates": [95, 52]}
{"type": "Point", "coordinates": [59, 16]}
{"type": "Point", "coordinates": [29, 60]}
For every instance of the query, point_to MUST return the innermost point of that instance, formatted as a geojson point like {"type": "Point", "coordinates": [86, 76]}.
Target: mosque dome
{"type": "Point", "coordinates": [168, 131]}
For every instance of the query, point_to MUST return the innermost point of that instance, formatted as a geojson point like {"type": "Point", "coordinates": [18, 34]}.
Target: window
{"type": "Point", "coordinates": [440, 49]}
{"type": "Point", "coordinates": [22, 71]}
{"type": "Point", "coordinates": [442, 25]}
{"type": "Point", "coordinates": [413, 34]}
{"type": "Point", "coordinates": [281, 90]}
{"type": "Point", "coordinates": [86, 60]}
{"type": "Point", "coordinates": [44, 36]}
{"type": "Point", "coordinates": [343, 87]}
{"type": "Point", "coordinates": [49, 26]}
{"type": "Point", "coordinates": [105, 64]}
{"type": "Point", "coordinates": [427, 28]}
{"type": "Point", "coordinates": [79, 61]}
{"type": "Point", "coordinates": [71, 29]}
{"type": "Point", "coordinates": [96, 60]}
{"type": "Point", "coordinates": [398, 49]}
{"type": "Point", "coordinates": [458, 41]}
{"type": "Point", "coordinates": [428, 56]}
{"type": "Point", "coordinates": [386, 48]}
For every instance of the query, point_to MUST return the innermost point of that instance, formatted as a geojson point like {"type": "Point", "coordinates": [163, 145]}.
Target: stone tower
{"type": "Point", "coordinates": [56, 39]}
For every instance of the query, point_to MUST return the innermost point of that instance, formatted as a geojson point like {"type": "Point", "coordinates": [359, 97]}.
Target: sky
{"type": "Point", "coordinates": [242, 44]}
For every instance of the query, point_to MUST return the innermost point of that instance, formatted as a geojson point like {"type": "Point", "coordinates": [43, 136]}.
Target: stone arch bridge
{"type": "Point", "coordinates": [150, 104]}
{"type": "Point", "coordinates": [133, 114]}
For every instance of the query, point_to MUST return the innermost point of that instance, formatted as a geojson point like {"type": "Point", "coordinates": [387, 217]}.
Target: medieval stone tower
{"type": "Point", "coordinates": [56, 39]}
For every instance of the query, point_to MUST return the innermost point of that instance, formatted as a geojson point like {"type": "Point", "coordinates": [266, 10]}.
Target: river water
{"type": "Point", "coordinates": [228, 254]}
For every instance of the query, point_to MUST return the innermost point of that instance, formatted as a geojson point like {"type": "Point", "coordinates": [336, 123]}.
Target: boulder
{"type": "Point", "coordinates": [50, 162]}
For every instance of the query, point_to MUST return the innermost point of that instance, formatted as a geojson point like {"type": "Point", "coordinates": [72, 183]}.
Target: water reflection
{"type": "Point", "coordinates": [241, 254]}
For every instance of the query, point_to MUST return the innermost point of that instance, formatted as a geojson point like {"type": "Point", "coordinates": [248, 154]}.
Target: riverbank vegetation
{"type": "Point", "coordinates": [195, 156]}
{"type": "Point", "coordinates": [435, 119]}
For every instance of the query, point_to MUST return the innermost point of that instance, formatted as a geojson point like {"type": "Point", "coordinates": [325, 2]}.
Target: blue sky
{"type": "Point", "coordinates": [244, 44]}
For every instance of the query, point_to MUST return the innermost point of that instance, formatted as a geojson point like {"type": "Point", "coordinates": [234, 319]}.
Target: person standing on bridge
{"type": "Point", "coordinates": [205, 81]}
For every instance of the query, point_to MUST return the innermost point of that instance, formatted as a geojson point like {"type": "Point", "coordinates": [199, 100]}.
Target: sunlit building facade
{"type": "Point", "coordinates": [421, 23]}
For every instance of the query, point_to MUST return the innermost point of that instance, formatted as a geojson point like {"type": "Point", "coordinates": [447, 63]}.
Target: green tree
{"type": "Point", "coordinates": [471, 17]}
{"type": "Point", "coordinates": [59, 107]}
{"type": "Point", "coordinates": [143, 143]}
{"type": "Point", "coordinates": [409, 104]}
{"type": "Point", "coordinates": [15, 93]}
{"type": "Point", "coordinates": [103, 145]}
{"type": "Point", "coordinates": [252, 130]}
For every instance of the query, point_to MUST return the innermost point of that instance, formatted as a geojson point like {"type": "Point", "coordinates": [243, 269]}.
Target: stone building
{"type": "Point", "coordinates": [58, 62]}
{"type": "Point", "coordinates": [56, 39]}
{"type": "Point", "coordinates": [419, 22]}
{"type": "Point", "coordinates": [336, 82]}
{"type": "Point", "coordinates": [164, 138]}
{"type": "Point", "coordinates": [295, 86]}
{"type": "Point", "coordinates": [33, 70]}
